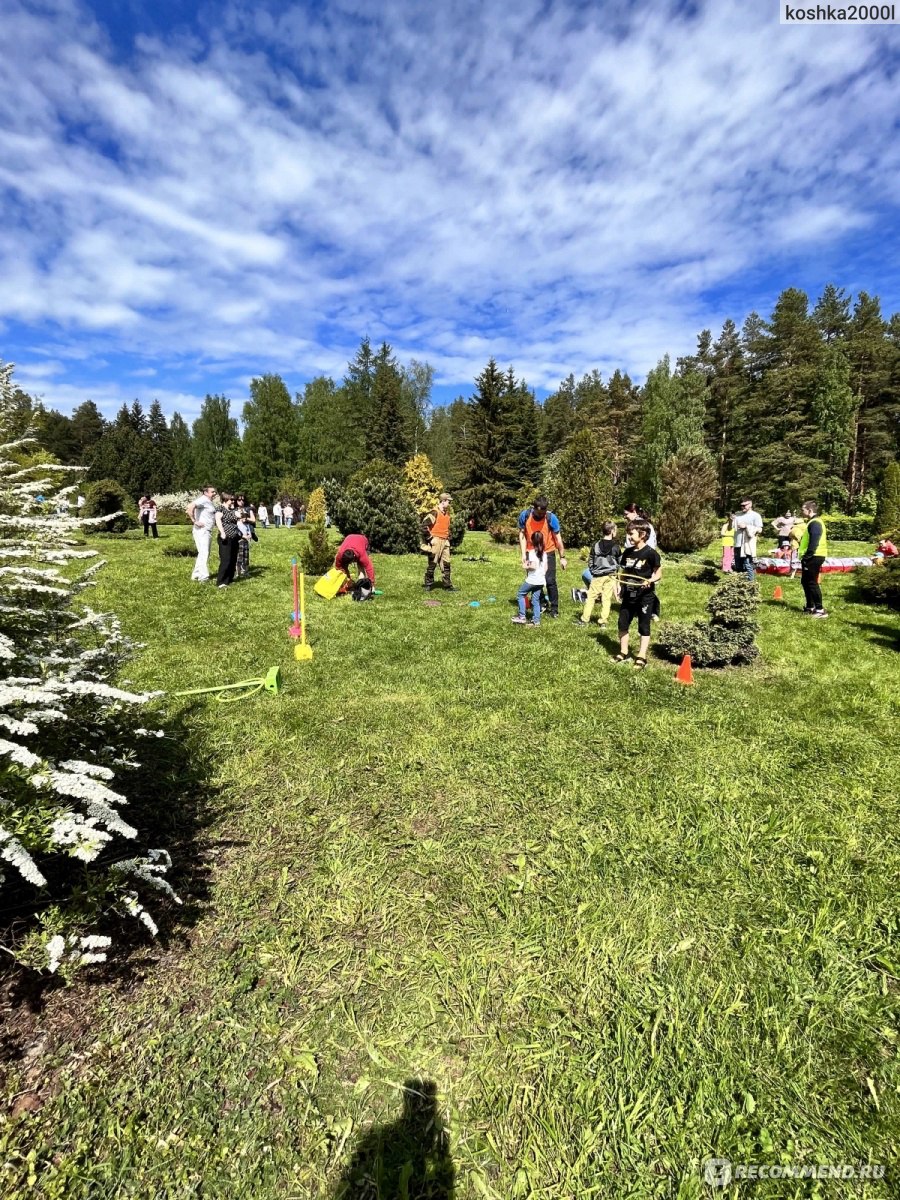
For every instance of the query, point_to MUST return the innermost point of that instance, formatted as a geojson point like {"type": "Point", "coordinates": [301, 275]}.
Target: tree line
{"type": "Point", "coordinates": [803, 404]}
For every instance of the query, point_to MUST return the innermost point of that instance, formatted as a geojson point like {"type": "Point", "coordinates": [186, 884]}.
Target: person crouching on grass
{"type": "Point", "coordinates": [534, 563]}
{"type": "Point", "coordinates": [641, 569]}
{"type": "Point", "coordinates": [354, 552]}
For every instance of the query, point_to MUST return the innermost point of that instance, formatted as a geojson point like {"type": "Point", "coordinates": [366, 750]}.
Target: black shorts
{"type": "Point", "coordinates": [636, 604]}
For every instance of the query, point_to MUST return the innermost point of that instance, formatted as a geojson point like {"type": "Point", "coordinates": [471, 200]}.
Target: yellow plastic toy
{"type": "Point", "coordinates": [330, 584]}
{"type": "Point", "coordinates": [303, 652]}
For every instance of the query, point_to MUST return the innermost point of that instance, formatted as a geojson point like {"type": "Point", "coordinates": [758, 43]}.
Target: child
{"type": "Point", "coordinates": [640, 570]}
{"type": "Point", "coordinates": [727, 535]}
{"type": "Point", "coordinates": [535, 564]}
{"type": "Point", "coordinates": [886, 549]}
{"type": "Point", "coordinates": [603, 564]}
{"type": "Point", "coordinates": [245, 529]}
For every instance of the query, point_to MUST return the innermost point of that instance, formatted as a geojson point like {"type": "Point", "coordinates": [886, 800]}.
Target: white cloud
{"type": "Point", "coordinates": [563, 187]}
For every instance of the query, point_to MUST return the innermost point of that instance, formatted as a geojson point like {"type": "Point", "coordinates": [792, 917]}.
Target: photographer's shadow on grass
{"type": "Point", "coordinates": [406, 1159]}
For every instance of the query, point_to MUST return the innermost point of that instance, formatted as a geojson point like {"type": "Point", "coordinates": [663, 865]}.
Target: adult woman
{"type": "Point", "coordinates": [144, 514]}
{"type": "Point", "coordinates": [228, 539]}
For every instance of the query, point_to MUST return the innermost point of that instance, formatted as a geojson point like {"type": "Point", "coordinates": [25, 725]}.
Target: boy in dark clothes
{"type": "Point", "coordinates": [603, 565]}
{"type": "Point", "coordinates": [640, 570]}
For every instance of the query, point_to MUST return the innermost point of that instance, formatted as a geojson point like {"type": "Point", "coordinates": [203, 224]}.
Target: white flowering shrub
{"type": "Point", "coordinates": [69, 738]}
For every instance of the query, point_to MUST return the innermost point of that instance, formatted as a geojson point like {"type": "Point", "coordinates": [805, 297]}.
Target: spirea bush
{"type": "Point", "coordinates": [69, 740]}
{"type": "Point", "coordinates": [170, 507]}
{"type": "Point", "coordinates": [728, 638]}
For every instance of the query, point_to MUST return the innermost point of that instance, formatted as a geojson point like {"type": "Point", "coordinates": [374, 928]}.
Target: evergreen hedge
{"type": "Point", "coordinates": [727, 638]}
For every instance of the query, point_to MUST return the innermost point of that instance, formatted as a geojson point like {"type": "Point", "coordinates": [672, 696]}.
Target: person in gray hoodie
{"type": "Point", "coordinates": [603, 565]}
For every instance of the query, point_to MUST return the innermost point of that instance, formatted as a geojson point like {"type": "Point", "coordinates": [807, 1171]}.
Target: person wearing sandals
{"type": "Point", "coordinates": [640, 571]}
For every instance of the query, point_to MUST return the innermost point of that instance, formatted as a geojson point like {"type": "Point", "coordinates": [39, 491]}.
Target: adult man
{"type": "Point", "coordinates": [813, 552]}
{"type": "Point", "coordinates": [354, 551]}
{"type": "Point", "coordinates": [202, 514]}
{"type": "Point", "coordinates": [538, 520]}
{"type": "Point", "coordinates": [748, 526]}
{"type": "Point", "coordinates": [436, 544]}
{"type": "Point", "coordinates": [277, 513]}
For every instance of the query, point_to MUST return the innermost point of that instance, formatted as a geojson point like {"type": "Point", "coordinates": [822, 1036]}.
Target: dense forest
{"type": "Point", "coordinates": [803, 404]}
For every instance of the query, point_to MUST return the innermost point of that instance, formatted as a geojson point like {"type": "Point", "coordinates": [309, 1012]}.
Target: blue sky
{"type": "Point", "coordinates": [194, 195]}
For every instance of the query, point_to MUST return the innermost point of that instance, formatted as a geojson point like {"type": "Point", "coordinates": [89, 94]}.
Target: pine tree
{"type": "Point", "coordinates": [389, 426]}
{"type": "Point", "coordinates": [871, 357]}
{"type": "Point", "coordinates": [776, 452]}
{"type": "Point", "coordinates": [833, 411]}
{"type": "Point", "coordinates": [271, 434]}
{"type": "Point", "coordinates": [215, 431]}
{"type": "Point", "coordinates": [887, 517]}
{"type": "Point", "coordinates": [832, 314]}
{"type": "Point", "coordinates": [623, 428]}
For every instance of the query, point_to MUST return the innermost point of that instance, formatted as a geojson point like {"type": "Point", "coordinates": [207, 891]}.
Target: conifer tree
{"type": "Point", "coordinates": [725, 389]}
{"type": "Point", "coordinates": [183, 473]}
{"type": "Point", "coordinates": [87, 428]}
{"type": "Point", "coordinates": [559, 416]}
{"type": "Point", "coordinates": [484, 490]}
{"type": "Point", "coordinates": [421, 484]}
{"type": "Point", "coordinates": [833, 411]}
{"type": "Point", "coordinates": [160, 477]}
{"type": "Point", "coordinates": [582, 492]}
{"type": "Point", "coordinates": [271, 429]}
{"type": "Point", "coordinates": [215, 432]}
{"type": "Point", "coordinates": [688, 487]}
{"type": "Point", "coordinates": [520, 462]}
{"type": "Point", "coordinates": [887, 516]}
{"type": "Point", "coordinates": [673, 421]}
{"type": "Point", "coordinates": [832, 314]}
{"type": "Point", "coordinates": [870, 354]}
{"type": "Point", "coordinates": [389, 426]}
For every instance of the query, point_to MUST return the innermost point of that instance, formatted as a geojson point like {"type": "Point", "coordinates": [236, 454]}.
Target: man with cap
{"type": "Point", "coordinates": [436, 544]}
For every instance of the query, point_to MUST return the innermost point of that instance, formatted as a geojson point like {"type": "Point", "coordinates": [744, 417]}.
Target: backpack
{"type": "Point", "coordinates": [602, 564]}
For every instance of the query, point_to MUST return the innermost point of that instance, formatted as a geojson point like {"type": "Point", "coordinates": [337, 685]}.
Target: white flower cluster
{"type": "Point", "coordinates": [76, 951]}
{"type": "Point", "coordinates": [66, 730]}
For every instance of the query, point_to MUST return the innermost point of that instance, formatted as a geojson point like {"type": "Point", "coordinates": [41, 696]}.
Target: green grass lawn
{"type": "Point", "coordinates": [618, 926]}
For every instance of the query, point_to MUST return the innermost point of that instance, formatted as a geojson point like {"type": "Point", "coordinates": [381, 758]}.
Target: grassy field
{"type": "Point", "coordinates": [491, 917]}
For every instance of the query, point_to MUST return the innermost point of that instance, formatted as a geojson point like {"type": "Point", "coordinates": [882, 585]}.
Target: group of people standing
{"type": "Point", "coordinates": [802, 539]}
{"type": "Point", "coordinates": [282, 514]}
{"type": "Point", "coordinates": [235, 523]}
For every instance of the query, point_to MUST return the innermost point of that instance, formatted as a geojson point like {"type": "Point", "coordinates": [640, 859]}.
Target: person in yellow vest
{"type": "Point", "coordinates": [813, 552]}
{"type": "Point", "coordinates": [436, 532]}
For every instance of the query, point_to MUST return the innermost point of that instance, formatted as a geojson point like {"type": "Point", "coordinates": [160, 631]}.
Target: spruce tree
{"type": "Point", "coordinates": [725, 389]}
{"type": "Point", "coordinates": [559, 416]}
{"type": "Point", "coordinates": [484, 491]}
{"type": "Point", "coordinates": [183, 474]}
{"type": "Point", "coordinates": [161, 474]}
{"type": "Point", "coordinates": [389, 425]}
{"type": "Point", "coordinates": [833, 411]}
{"type": "Point", "coordinates": [521, 458]}
{"type": "Point", "coordinates": [271, 432]}
{"type": "Point", "coordinates": [215, 432]}
{"type": "Point", "coordinates": [87, 428]}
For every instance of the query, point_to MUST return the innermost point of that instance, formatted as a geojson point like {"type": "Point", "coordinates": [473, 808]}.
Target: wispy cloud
{"type": "Point", "coordinates": [561, 186]}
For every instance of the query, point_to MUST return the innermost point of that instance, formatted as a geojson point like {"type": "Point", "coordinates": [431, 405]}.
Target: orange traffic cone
{"type": "Point", "coordinates": [684, 674]}
{"type": "Point", "coordinates": [778, 594]}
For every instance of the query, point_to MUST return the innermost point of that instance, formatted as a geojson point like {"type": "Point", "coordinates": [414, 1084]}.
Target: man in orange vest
{"type": "Point", "coordinates": [436, 531]}
{"type": "Point", "coordinates": [538, 519]}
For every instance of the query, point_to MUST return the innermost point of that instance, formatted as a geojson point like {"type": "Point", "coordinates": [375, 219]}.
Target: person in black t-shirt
{"type": "Point", "coordinates": [640, 569]}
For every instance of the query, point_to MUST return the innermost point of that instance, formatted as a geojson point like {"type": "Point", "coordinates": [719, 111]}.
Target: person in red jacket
{"type": "Point", "coordinates": [354, 551]}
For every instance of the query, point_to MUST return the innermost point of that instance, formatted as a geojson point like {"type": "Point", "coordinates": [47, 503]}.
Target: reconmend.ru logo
{"type": "Point", "coordinates": [720, 1172]}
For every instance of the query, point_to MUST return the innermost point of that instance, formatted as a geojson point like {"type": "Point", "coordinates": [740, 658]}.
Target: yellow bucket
{"type": "Point", "coordinates": [330, 584]}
